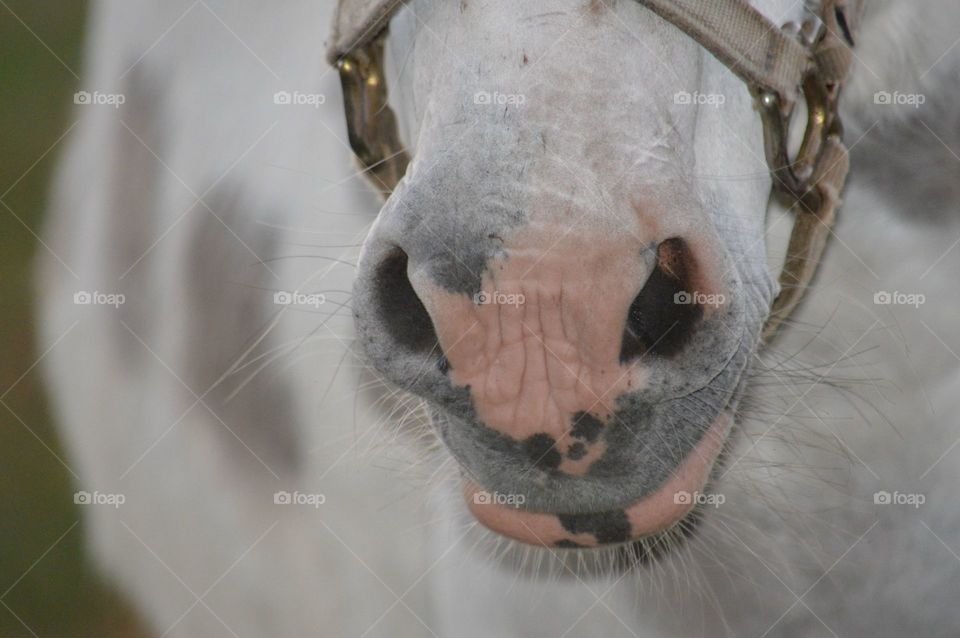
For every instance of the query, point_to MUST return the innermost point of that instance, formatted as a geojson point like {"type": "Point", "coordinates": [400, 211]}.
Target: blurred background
{"type": "Point", "coordinates": [47, 587]}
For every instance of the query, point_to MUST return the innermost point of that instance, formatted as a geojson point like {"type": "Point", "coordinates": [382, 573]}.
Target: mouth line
{"type": "Point", "coordinates": [655, 513]}
{"type": "Point", "coordinates": [641, 465]}
{"type": "Point", "coordinates": [608, 518]}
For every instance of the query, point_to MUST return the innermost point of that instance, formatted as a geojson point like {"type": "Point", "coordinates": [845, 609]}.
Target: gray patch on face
{"type": "Point", "coordinates": [451, 214]}
{"type": "Point", "coordinates": [452, 238]}
{"type": "Point", "coordinates": [452, 233]}
{"type": "Point", "coordinates": [230, 301]}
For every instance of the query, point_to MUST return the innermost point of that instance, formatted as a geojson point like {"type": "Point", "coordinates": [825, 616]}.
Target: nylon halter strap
{"type": "Point", "coordinates": [778, 65]}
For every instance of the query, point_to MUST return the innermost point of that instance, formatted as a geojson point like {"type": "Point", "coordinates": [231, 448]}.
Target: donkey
{"type": "Point", "coordinates": [528, 395]}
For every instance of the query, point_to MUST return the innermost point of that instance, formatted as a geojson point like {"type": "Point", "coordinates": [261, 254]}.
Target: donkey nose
{"type": "Point", "coordinates": [523, 340]}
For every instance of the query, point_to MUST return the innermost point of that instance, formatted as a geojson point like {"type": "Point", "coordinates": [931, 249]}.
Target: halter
{"type": "Point", "coordinates": [779, 66]}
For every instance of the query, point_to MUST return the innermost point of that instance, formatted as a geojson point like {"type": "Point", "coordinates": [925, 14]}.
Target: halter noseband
{"type": "Point", "coordinates": [778, 65]}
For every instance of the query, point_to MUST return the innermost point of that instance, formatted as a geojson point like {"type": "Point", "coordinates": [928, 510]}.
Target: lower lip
{"type": "Point", "coordinates": [653, 513]}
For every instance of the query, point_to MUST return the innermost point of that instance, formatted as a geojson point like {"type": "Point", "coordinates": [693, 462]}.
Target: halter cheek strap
{"type": "Point", "coordinates": [779, 65]}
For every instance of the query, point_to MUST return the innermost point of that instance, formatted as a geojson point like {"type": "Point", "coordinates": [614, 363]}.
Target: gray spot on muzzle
{"type": "Point", "coordinates": [448, 220]}
{"type": "Point", "coordinates": [451, 217]}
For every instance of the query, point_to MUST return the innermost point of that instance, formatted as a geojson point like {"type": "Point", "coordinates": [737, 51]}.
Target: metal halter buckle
{"type": "Point", "coordinates": [796, 178]}
{"type": "Point", "coordinates": [811, 181]}
{"type": "Point", "coordinates": [371, 124]}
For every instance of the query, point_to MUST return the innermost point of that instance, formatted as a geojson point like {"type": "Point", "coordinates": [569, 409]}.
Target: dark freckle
{"type": "Point", "coordinates": [540, 450]}
{"type": "Point", "coordinates": [576, 451]}
{"type": "Point", "coordinates": [607, 527]}
{"type": "Point", "coordinates": [525, 58]}
{"type": "Point", "coordinates": [586, 427]}
{"type": "Point", "coordinates": [443, 364]}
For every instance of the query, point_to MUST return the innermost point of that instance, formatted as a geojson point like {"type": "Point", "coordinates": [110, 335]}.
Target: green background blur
{"type": "Point", "coordinates": [47, 588]}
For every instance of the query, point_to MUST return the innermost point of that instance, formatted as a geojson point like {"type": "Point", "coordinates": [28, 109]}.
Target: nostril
{"type": "Point", "coordinates": [402, 314]}
{"type": "Point", "coordinates": [661, 319]}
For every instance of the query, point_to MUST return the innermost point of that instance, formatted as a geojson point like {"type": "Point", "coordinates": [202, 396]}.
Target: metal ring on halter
{"type": "Point", "coordinates": [810, 182]}
{"type": "Point", "coordinates": [796, 178]}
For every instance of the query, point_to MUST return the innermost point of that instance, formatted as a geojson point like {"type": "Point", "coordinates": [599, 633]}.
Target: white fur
{"type": "Point", "coordinates": [199, 518]}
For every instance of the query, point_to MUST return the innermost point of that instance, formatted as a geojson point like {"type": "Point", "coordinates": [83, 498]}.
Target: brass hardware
{"type": "Point", "coordinates": [794, 177]}
{"type": "Point", "coordinates": [371, 124]}
{"type": "Point", "coordinates": [812, 179]}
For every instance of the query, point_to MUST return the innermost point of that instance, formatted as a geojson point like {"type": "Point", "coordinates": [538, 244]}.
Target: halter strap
{"type": "Point", "coordinates": [779, 66]}
{"type": "Point", "coordinates": [738, 35]}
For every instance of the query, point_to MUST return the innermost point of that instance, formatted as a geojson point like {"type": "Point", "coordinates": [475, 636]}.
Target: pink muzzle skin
{"type": "Point", "coordinates": [656, 512]}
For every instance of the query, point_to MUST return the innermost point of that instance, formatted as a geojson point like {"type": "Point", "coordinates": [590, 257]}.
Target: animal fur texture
{"type": "Point", "coordinates": [231, 223]}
